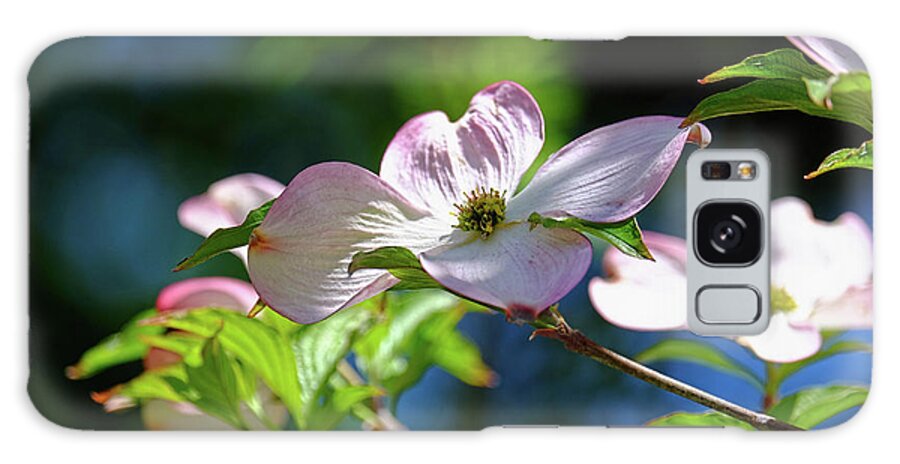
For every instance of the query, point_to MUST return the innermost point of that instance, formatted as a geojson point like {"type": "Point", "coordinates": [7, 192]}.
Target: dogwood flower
{"type": "Point", "coordinates": [821, 279]}
{"type": "Point", "coordinates": [226, 204]}
{"type": "Point", "coordinates": [832, 55]}
{"type": "Point", "coordinates": [447, 192]}
{"type": "Point", "coordinates": [201, 292]}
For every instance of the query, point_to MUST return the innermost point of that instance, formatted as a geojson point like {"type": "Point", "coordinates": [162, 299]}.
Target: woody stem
{"type": "Point", "coordinates": [553, 326]}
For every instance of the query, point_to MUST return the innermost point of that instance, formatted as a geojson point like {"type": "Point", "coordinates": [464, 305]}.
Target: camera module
{"type": "Point", "coordinates": [728, 233]}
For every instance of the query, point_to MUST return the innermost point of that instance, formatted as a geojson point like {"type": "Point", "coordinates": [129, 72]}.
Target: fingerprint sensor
{"type": "Point", "coordinates": [727, 304]}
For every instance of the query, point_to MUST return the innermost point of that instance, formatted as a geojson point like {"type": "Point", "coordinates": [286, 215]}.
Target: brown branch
{"type": "Point", "coordinates": [576, 342]}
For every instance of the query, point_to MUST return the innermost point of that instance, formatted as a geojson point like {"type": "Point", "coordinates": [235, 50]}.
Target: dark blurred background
{"type": "Point", "coordinates": [124, 129]}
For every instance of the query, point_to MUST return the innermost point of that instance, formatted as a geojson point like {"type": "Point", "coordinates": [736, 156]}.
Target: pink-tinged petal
{"type": "Point", "coordinates": [832, 55]}
{"type": "Point", "coordinates": [201, 214]}
{"type": "Point", "coordinates": [299, 255]}
{"type": "Point", "coordinates": [226, 204]}
{"type": "Point", "coordinates": [608, 174]}
{"type": "Point", "coordinates": [644, 295]}
{"type": "Point", "coordinates": [520, 270]}
{"type": "Point", "coordinates": [433, 161]}
{"type": "Point", "coordinates": [816, 261]}
{"type": "Point", "coordinates": [852, 310]}
{"type": "Point", "coordinates": [784, 342]}
{"type": "Point", "coordinates": [202, 292]}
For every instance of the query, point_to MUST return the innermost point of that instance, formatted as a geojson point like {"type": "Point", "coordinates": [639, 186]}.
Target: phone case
{"type": "Point", "coordinates": [435, 233]}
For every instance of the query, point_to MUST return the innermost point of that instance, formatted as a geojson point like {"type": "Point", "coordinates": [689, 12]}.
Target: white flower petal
{"type": "Point", "coordinates": [610, 173]}
{"type": "Point", "coordinates": [783, 342]}
{"type": "Point", "coordinates": [644, 295]}
{"type": "Point", "coordinates": [520, 270]}
{"type": "Point", "coordinates": [815, 260]}
{"type": "Point", "coordinates": [852, 310]}
{"type": "Point", "coordinates": [433, 161]}
{"type": "Point", "coordinates": [300, 253]}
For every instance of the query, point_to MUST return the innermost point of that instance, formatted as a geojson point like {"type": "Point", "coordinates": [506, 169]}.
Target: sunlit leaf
{"type": "Point", "coordinates": [400, 262]}
{"type": "Point", "coordinates": [119, 348]}
{"type": "Point", "coordinates": [698, 353]}
{"type": "Point", "coordinates": [188, 346]}
{"type": "Point", "coordinates": [703, 419]}
{"type": "Point", "coordinates": [381, 346]}
{"type": "Point", "coordinates": [418, 332]}
{"type": "Point", "coordinates": [437, 343]}
{"type": "Point", "coordinates": [149, 385]}
{"type": "Point", "coordinates": [822, 90]}
{"type": "Point", "coordinates": [782, 94]}
{"type": "Point", "coordinates": [319, 347]}
{"type": "Point", "coordinates": [346, 397]}
{"type": "Point", "coordinates": [625, 235]}
{"type": "Point", "coordinates": [785, 63]}
{"type": "Point", "coordinates": [253, 343]}
{"type": "Point", "coordinates": [223, 240]}
{"type": "Point", "coordinates": [212, 386]}
{"type": "Point", "coordinates": [809, 408]}
{"type": "Point", "coordinates": [860, 157]}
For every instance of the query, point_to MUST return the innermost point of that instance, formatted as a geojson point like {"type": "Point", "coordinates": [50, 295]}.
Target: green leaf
{"type": "Point", "coordinates": [625, 235]}
{"type": "Point", "coordinates": [319, 347]}
{"type": "Point", "coordinates": [461, 358]}
{"type": "Point", "coordinates": [119, 348]}
{"type": "Point", "coordinates": [704, 419]}
{"type": "Point", "coordinates": [698, 353]}
{"type": "Point", "coordinates": [436, 342]}
{"type": "Point", "coordinates": [822, 90]}
{"type": "Point", "coordinates": [783, 371]}
{"type": "Point", "coordinates": [418, 331]}
{"type": "Point", "coordinates": [149, 385]}
{"type": "Point", "coordinates": [226, 239]}
{"type": "Point", "coordinates": [860, 157]}
{"type": "Point", "coordinates": [392, 257]}
{"type": "Point", "coordinates": [213, 386]}
{"type": "Point", "coordinates": [782, 94]}
{"type": "Point", "coordinates": [188, 346]}
{"type": "Point", "coordinates": [399, 261]}
{"type": "Point", "coordinates": [809, 408]}
{"type": "Point", "coordinates": [253, 343]}
{"type": "Point", "coordinates": [345, 398]}
{"type": "Point", "coordinates": [381, 346]}
{"type": "Point", "coordinates": [785, 63]}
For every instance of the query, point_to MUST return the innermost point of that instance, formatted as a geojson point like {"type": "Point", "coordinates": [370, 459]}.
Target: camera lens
{"type": "Point", "coordinates": [728, 233]}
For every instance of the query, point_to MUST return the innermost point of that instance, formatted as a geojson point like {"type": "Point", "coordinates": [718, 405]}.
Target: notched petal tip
{"type": "Point", "coordinates": [521, 315]}
{"type": "Point", "coordinates": [699, 135]}
{"type": "Point", "coordinates": [259, 241]}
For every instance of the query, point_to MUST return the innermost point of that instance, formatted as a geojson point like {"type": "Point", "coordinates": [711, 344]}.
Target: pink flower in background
{"type": "Point", "coordinates": [832, 55]}
{"type": "Point", "coordinates": [447, 192]}
{"type": "Point", "coordinates": [201, 292]}
{"type": "Point", "coordinates": [825, 268]}
{"type": "Point", "coordinates": [226, 204]}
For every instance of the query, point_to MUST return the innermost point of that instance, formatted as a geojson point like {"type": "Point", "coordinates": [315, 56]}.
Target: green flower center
{"type": "Point", "coordinates": [482, 211]}
{"type": "Point", "coordinates": [781, 300]}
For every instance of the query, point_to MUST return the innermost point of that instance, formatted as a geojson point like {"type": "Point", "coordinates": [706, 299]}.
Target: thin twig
{"type": "Point", "coordinates": [577, 342]}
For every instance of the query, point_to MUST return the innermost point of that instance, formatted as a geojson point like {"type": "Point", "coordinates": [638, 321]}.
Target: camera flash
{"type": "Point", "coordinates": [746, 170]}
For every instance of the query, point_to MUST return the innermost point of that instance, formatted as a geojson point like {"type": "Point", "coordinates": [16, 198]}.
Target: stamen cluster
{"type": "Point", "coordinates": [482, 212]}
